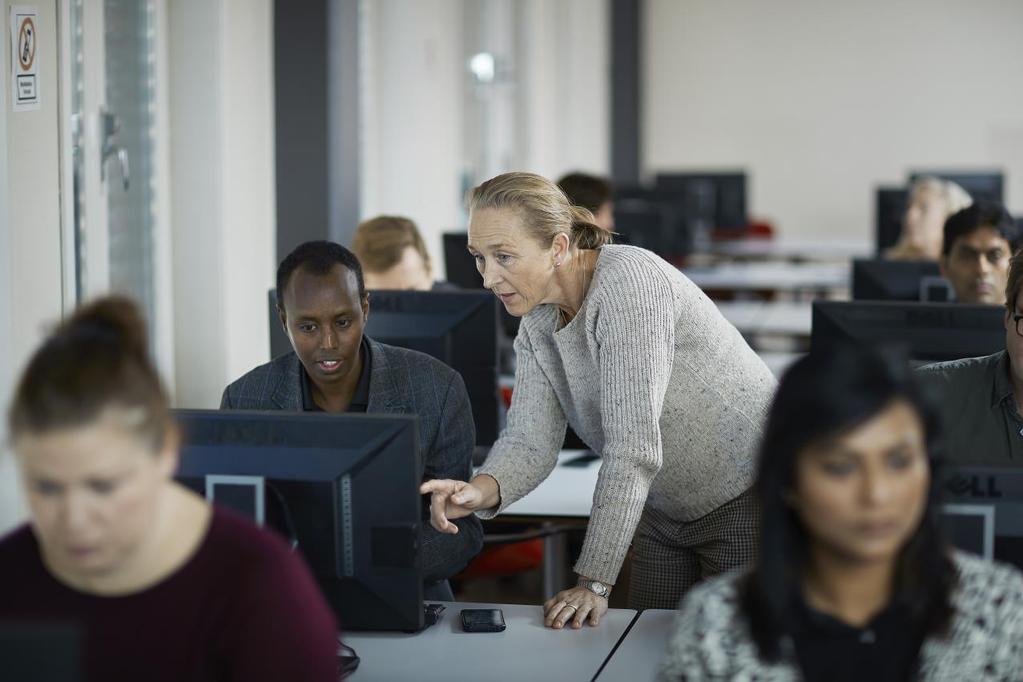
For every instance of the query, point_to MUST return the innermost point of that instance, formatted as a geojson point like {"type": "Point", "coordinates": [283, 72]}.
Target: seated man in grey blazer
{"type": "Point", "coordinates": [323, 305]}
{"type": "Point", "coordinates": [982, 398]}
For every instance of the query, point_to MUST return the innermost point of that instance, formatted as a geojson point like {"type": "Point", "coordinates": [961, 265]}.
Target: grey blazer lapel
{"type": "Point", "coordinates": [385, 396]}
{"type": "Point", "coordinates": [286, 391]}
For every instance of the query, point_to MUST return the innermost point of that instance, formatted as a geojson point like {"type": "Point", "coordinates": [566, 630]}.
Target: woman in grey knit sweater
{"type": "Point", "coordinates": [619, 344]}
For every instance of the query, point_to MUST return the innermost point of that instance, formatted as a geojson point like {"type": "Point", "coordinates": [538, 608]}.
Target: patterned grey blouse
{"type": "Point", "coordinates": [712, 641]}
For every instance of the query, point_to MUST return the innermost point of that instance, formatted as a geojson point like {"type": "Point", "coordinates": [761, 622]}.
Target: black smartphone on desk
{"type": "Point", "coordinates": [482, 620]}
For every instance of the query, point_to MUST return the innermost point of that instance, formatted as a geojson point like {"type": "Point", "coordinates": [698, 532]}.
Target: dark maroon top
{"type": "Point", "coordinates": [243, 608]}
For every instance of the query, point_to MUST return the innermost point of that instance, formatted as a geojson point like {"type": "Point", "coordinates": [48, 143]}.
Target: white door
{"type": "Point", "coordinates": [114, 115]}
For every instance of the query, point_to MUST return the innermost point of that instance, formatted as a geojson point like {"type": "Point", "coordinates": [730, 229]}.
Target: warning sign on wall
{"type": "Point", "coordinates": [24, 60]}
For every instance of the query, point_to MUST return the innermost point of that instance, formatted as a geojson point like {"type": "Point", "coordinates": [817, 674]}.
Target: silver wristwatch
{"type": "Point", "coordinates": [595, 586]}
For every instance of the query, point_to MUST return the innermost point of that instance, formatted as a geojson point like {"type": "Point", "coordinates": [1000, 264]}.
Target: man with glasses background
{"type": "Point", "coordinates": [981, 397]}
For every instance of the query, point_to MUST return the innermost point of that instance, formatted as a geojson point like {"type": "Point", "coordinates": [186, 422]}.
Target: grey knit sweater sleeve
{"type": "Point", "coordinates": [636, 349]}
{"type": "Point", "coordinates": [527, 450]}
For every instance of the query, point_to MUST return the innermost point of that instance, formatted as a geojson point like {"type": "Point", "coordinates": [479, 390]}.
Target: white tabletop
{"type": "Point", "coordinates": [776, 276]}
{"type": "Point", "coordinates": [793, 249]}
{"type": "Point", "coordinates": [567, 492]}
{"type": "Point", "coordinates": [779, 318]}
{"type": "Point", "coordinates": [640, 654]}
{"type": "Point", "coordinates": [526, 650]}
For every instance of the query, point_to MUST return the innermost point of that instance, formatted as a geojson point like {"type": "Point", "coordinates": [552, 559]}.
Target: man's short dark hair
{"type": "Point", "coordinates": [981, 213]}
{"type": "Point", "coordinates": [317, 258]}
{"type": "Point", "coordinates": [584, 190]}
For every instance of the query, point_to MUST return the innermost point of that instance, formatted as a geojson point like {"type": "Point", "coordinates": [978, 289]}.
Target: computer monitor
{"type": "Point", "coordinates": [459, 265]}
{"type": "Point", "coordinates": [929, 332]}
{"type": "Point", "coordinates": [884, 280]}
{"type": "Point", "coordinates": [344, 489]}
{"type": "Point", "coordinates": [988, 184]}
{"type": "Point", "coordinates": [459, 328]}
{"type": "Point", "coordinates": [279, 342]}
{"type": "Point", "coordinates": [889, 207]}
{"type": "Point", "coordinates": [35, 650]}
{"type": "Point", "coordinates": [711, 199]}
{"type": "Point", "coordinates": [650, 219]}
{"type": "Point", "coordinates": [983, 510]}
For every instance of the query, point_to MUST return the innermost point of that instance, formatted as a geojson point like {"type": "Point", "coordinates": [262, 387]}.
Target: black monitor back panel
{"type": "Point", "coordinates": [322, 478]}
{"type": "Point", "coordinates": [717, 197]}
{"type": "Point", "coordinates": [883, 280]}
{"type": "Point", "coordinates": [972, 490]}
{"type": "Point", "coordinates": [929, 332]}
{"type": "Point", "coordinates": [889, 207]}
{"type": "Point", "coordinates": [459, 328]}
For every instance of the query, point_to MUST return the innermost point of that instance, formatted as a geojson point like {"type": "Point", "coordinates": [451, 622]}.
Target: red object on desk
{"type": "Point", "coordinates": [505, 560]}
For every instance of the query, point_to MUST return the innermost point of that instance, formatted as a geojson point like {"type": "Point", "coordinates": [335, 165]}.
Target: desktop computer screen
{"type": "Point", "coordinates": [983, 511]}
{"type": "Point", "coordinates": [929, 332]}
{"type": "Point", "coordinates": [459, 265]}
{"type": "Point", "coordinates": [713, 199]}
{"type": "Point", "coordinates": [343, 489]}
{"type": "Point", "coordinates": [459, 328]}
{"type": "Point", "coordinates": [650, 219]}
{"type": "Point", "coordinates": [39, 650]}
{"type": "Point", "coordinates": [885, 280]}
{"type": "Point", "coordinates": [889, 208]}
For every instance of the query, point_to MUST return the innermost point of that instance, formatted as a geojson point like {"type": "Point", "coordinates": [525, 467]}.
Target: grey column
{"type": "Point", "coordinates": [316, 48]}
{"type": "Point", "coordinates": [626, 90]}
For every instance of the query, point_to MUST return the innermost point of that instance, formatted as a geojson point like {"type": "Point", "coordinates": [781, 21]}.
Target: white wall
{"type": "Point", "coordinates": [428, 133]}
{"type": "Point", "coordinates": [412, 84]}
{"type": "Point", "coordinates": [822, 101]}
{"type": "Point", "coordinates": [30, 247]}
{"type": "Point", "coordinates": [566, 73]}
{"type": "Point", "coordinates": [223, 191]}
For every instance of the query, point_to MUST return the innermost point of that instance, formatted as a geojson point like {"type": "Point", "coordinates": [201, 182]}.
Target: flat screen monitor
{"type": "Point", "coordinates": [929, 332]}
{"type": "Point", "coordinates": [884, 280]}
{"type": "Point", "coordinates": [459, 328]}
{"type": "Point", "coordinates": [459, 265]}
{"type": "Point", "coordinates": [716, 199]}
{"type": "Point", "coordinates": [983, 510]}
{"type": "Point", "coordinates": [319, 480]}
{"type": "Point", "coordinates": [889, 207]}
{"type": "Point", "coordinates": [41, 651]}
{"type": "Point", "coordinates": [279, 343]}
{"type": "Point", "coordinates": [649, 219]}
{"type": "Point", "coordinates": [989, 184]}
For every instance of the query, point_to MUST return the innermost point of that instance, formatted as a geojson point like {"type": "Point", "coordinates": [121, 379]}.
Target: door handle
{"type": "Point", "coordinates": [111, 123]}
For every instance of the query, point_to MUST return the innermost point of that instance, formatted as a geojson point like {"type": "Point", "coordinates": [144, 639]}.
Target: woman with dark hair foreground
{"type": "Point", "coordinates": [852, 580]}
{"type": "Point", "coordinates": [158, 584]}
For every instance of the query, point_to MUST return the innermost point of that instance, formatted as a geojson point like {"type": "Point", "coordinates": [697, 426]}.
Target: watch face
{"type": "Point", "coordinates": [598, 588]}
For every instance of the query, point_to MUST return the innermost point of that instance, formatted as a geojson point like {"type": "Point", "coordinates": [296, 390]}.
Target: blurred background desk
{"type": "Point", "coordinates": [768, 279]}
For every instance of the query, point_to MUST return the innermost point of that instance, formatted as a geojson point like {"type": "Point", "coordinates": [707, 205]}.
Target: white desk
{"type": "Point", "coordinates": [567, 492]}
{"type": "Point", "coordinates": [772, 276]}
{"type": "Point", "coordinates": [792, 249]}
{"type": "Point", "coordinates": [776, 318]}
{"type": "Point", "coordinates": [526, 650]}
{"type": "Point", "coordinates": [639, 656]}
